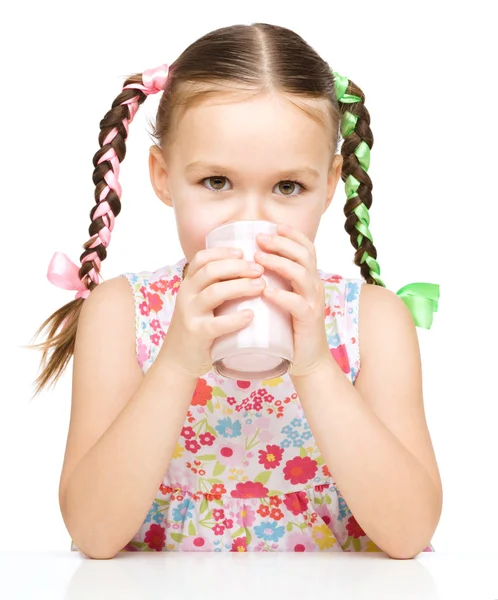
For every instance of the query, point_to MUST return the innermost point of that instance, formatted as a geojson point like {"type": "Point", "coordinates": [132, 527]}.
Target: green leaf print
{"type": "Point", "coordinates": [289, 527]}
{"type": "Point", "coordinates": [248, 536]}
{"type": "Point", "coordinates": [356, 544]}
{"type": "Point", "coordinates": [328, 499]}
{"type": "Point", "coordinates": [191, 528]}
{"type": "Point", "coordinates": [302, 452]}
{"type": "Point", "coordinates": [207, 457]}
{"type": "Point", "coordinates": [178, 537]}
{"type": "Point", "coordinates": [138, 544]}
{"type": "Point", "coordinates": [204, 505]}
{"type": "Point", "coordinates": [263, 477]}
{"type": "Point", "coordinates": [319, 460]}
{"type": "Point", "coordinates": [238, 533]}
{"type": "Point", "coordinates": [211, 430]}
{"type": "Point", "coordinates": [219, 392]}
{"type": "Point", "coordinates": [218, 469]}
{"type": "Point", "coordinates": [275, 493]}
{"type": "Point", "coordinates": [209, 405]}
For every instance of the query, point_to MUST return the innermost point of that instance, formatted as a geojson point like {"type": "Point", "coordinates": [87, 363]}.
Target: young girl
{"type": "Point", "coordinates": [163, 454]}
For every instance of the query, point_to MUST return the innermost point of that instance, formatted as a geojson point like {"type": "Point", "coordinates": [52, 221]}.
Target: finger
{"type": "Point", "coordinates": [291, 302]}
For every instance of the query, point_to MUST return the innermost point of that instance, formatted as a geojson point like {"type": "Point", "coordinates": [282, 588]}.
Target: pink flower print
{"type": "Point", "coordinates": [143, 353]}
{"type": "Point", "coordinates": [245, 517]}
{"type": "Point", "coordinates": [265, 436]}
{"type": "Point", "coordinates": [300, 542]}
{"type": "Point", "coordinates": [196, 544]}
{"type": "Point", "coordinates": [155, 339]}
{"type": "Point", "coordinates": [230, 455]}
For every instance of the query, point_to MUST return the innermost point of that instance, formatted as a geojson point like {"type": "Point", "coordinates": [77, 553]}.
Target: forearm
{"type": "Point", "coordinates": [113, 486]}
{"type": "Point", "coordinates": [389, 492]}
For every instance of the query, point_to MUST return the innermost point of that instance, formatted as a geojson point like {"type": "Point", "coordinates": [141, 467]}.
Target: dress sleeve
{"type": "Point", "coordinates": [138, 283]}
{"type": "Point", "coordinates": [352, 294]}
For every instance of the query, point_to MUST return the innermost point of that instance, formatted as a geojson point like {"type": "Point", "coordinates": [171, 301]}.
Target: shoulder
{"type": "Point", "coordinates": [386, 324]}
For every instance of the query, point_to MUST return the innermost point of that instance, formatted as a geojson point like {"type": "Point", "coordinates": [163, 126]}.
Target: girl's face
{"type": "Point", "coordinates": [261, 158]}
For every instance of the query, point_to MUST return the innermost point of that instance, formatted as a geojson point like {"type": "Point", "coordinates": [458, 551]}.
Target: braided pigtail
{"type": "Point", "coordinates": [62, 272]}
{"type": "Point", "coordinates": [421, 298]}
{"type": "Point", "coordinates": [358, 140]}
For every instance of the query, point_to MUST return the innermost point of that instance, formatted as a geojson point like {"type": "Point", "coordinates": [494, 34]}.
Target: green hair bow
{"type": "Point", "coordinates": [421, 298]}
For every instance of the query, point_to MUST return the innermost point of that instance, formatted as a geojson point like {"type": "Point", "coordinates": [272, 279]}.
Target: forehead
{"type": "Point", "coordinates": [262, 129]}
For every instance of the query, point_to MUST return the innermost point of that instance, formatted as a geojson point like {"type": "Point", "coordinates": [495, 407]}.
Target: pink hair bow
{"type": "Point", "coordinates": [63, 273]}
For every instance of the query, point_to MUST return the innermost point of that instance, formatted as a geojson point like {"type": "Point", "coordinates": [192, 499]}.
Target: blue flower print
{"type": "Point", "coordinates": [351, 291]}
{"type": "Point", "coordinates": [228, 428]}
{"type": "Point", "coordinates": [286, 429]}
{"type": "Point", "coordinates": [269, 531]}
{"type": "Point", "coordinates": [306, 435]}
{"type": "Point", "coordinates": [334, 340]}
{"type": "Point", "coordinates": [285, 443]}
{"type": "Point", "coordinates": [298, 442]}
{"type": "Point", "coordinates": [152, 510]}
{"type": "Point", "coordinates": [182, 512]}
{"type": "Point", "coordinates": [293, 435]}
{"type": "Point", "coordinates": [296, 422]}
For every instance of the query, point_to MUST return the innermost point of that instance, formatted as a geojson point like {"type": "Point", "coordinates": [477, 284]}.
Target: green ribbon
{"type": "Point", "coordinates": [420, 298]}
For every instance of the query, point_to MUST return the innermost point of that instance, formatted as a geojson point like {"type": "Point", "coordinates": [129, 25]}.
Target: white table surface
{"type": "Point", "coordinates": [206, 575]}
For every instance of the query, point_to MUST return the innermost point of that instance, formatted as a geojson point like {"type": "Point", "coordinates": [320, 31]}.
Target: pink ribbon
{"type": "Point", "coordinates": [62, 272]}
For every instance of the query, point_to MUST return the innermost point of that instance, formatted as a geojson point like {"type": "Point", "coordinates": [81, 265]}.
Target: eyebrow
{"type": "Point", "coordinates": [285, 174]}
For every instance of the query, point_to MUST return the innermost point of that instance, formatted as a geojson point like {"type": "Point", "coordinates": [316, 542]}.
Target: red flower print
{"type": "Point", "coordinates": [218, 514]}
{"type": "Point", "coordinates": [300, 470]}
{"type": "Point", "coordinates": [239, 545]}
{"type": "Point", "coordinates": [228, 523]}
{"type": "Point", "coordinates": [155, 302]}
{"type": "Point", "coordinates": [155, 537]}
{"type": "Point", "coordinates": [174, 284]}
{"type": "Point", "coordinates": [202, 393]}
{"type": "Point", "coordinates": [276, 514]}
{"type": "Point", "coordinates": [218, 529]}
{"type": "Point", "coordinates": [155, 324]}
{"type": "Point", "coordinates": [354, 529]}
{"type": "Point", "coordinates": [155, 339]}
{"type": "Point", "coordinates": [297, 502]}
{"type": "Point", "coordinates": [325, 471]}
{"type": "Point", "coordinates": [206, 439]}
{"type": "Point", "coordinates": [192, 446]}
{"type": "Point", "coordinates": [231, 400]}
{"type": "Point", "coordinates": [340, 356]}
{"type": "Point", "coordinates": [271, 457]}
{"type": "Point", "coordinates": [263, 510]}
{"type": "Point", "coordinates": [159, 286]}
{"type": "Point", "coordinates": [187, 432]}
{"type": "Point", "coordinates": [275, 501]}
{"type": "Point", "coordinates": [218, 488]}
{"type": "Point", "coordinates": [144, 309]}
{"type": "Point", "coordinates": [249, 489]}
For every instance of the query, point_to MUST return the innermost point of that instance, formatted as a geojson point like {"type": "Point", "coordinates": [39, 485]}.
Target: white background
{"type": "Point", "coordinates": [429, 76]}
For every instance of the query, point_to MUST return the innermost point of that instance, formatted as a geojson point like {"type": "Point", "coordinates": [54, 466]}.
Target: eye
{"type": "Point", "coordinates": [218, 184]}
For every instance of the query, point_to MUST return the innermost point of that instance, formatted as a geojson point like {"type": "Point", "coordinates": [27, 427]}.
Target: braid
{"type": "Point", "coordinates": [113, 134]}
{"type": "Point", "coordinates": [358, 140]}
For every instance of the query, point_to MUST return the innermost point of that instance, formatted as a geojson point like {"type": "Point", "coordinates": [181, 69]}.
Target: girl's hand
{"type": "Point", "coordinates": [292, 255]}
{"type": "Point", "coordinates": [213, 276]}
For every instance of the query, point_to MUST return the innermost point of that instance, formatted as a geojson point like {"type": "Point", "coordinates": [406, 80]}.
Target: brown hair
{"type": "Point", "coordinates": [240, 59]}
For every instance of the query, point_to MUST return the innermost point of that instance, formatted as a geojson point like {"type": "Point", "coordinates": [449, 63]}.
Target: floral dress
{"type": "Point", "coordinates": [246, 474]}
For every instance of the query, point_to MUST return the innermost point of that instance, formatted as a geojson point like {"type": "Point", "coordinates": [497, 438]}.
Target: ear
{"type": "Point", "coordinates": [159, 175]}
{"type": "Point", "coordinates": [333, 178]}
